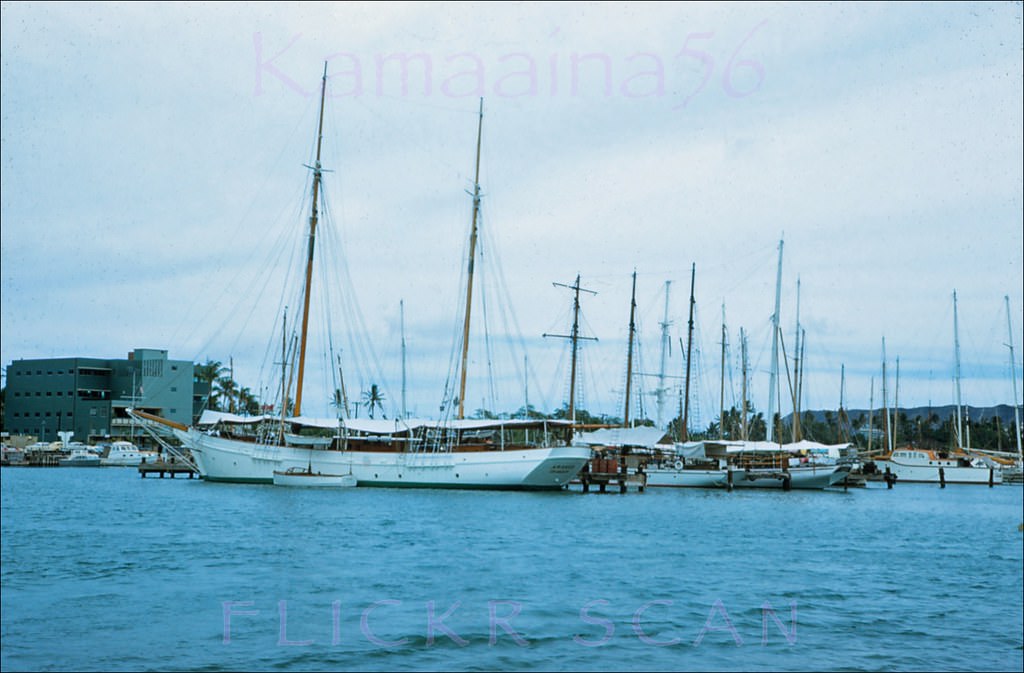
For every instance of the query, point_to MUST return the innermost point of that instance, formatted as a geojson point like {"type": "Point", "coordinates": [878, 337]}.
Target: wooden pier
{"type": "Point", "coordinates": [621, 471]}
{"type": "Point", "coordinates": [170, 467]}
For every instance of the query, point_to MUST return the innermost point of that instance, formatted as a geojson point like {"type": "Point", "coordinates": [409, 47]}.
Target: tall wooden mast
{"type": "Point", "coordinates": [666, 344]}
{"type": "Point", "coordinates": [401, 318]}
{"type": "Point", "coordinates": [472, 256]}
{"type": "Point", "coordinates": [1013, 380]}
{"type": "Point", "coordinates": [745, 431]}
{"type": "Point", "coordinates": [574, 338]}
{"type": "Point", "coordinates": [309, 253]}
{"type": "Point", "coordinates": [886, 428]}
{"type": "Point", "coordinates": [721, 393]}
{"type": "Point", "coordinates": [684, 432]}
{"type": "Point", "coordinates": [956, 349]}
{"type": "Point", "coordinates": [773, 376]}
{"type": "Point", "coordinates": [796, 369]}
{"type": "Point", "coordinates": [629, 356]}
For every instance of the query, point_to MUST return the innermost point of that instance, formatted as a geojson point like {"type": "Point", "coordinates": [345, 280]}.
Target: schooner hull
{"type": "Point", "coordinates": [928, 474]}
{"type": "Point", "coordinates": [809, 478]}
{"type": "Point", "coordinates": [686, 478]}
{"type": "Point", "coordinates": [806, 478]}
{"type": "Point", "coordinates": [230, 460]}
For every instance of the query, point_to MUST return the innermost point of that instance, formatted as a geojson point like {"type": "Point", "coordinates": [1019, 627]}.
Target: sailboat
{"type": "Point", "coordinates": [533, 454]}
{"type": "Point", "coordinates": [962, 466]}
{"type": "Point", "coordinates": [750, 464]}
{"type": "Point", "coordinates": [307, 478]}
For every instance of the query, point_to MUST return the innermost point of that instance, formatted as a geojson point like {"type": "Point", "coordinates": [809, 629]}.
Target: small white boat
{"type": "Point", "coordinates": [919, 465]}
{"type": "Point", "coordinates": [305, 477]}
{"type": "Point", "coordinates": [80, 457]}
{"type": "Point", "coordinates": [686, 473]}
{"type": "Point", "coordinates": [126, 454]}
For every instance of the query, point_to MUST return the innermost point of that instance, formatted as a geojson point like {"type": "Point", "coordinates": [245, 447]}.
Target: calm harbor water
{"type": "Point", "coordinates": [102, 570]}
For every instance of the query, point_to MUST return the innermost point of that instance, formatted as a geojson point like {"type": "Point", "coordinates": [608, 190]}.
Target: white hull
{"type": "Point", "coordinates": [814, 478]}
{"type": "Point", "coordinates": [80, 458]}
{"type": "Point", "coordinates": [127, 460]}
{"type": "Point", "coordinates": [929, 474]}
{"type": "Point", "coordinates": [686, 478]}
{"type": "Point", "coordinates": [79, 462]}
{"type": "Point", "coordinates": [313, 480]}
{"type": "Point", "coordinates": [223, 459]}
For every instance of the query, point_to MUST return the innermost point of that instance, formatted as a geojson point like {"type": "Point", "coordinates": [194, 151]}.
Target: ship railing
{"type": "Point", "coordinates": [155, 430]}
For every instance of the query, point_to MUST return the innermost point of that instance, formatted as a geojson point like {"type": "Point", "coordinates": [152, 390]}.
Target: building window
{"type": "Point", "coordinates": [49, 394]}
{"type": "Point", "coordinates": [174, 389]}
{"type": "Point", "coordinates": [174, 411]}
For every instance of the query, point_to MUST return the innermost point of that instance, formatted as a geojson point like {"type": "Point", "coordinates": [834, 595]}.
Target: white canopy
{"type": "Point", "coordinates": [717, 447]}
{"type": "Point", "coordinates": [215, 417]}
{"type": "Point", "coordinates": [379, 426]}
{"type": "Point", "coordinates": [643, 436]}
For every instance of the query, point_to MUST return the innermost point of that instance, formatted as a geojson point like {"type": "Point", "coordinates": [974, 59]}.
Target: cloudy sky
{"type": "Point", "coordinates": [154, 192]}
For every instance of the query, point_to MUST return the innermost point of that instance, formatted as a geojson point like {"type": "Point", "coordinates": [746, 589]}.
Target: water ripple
{"type": "Point", "coordinates": [103, 571]}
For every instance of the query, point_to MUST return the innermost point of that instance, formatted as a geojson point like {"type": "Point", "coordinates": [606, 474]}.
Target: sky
{"type": "Point", "coordinates": [155, 194]}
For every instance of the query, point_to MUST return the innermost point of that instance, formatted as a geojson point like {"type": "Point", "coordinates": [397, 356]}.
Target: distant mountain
{"type": "Point", "coordinates": [975, 414]}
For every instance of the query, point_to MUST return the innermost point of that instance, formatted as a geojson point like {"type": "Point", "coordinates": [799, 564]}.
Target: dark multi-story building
{"type": "Point", "coordinates": [89, 396]}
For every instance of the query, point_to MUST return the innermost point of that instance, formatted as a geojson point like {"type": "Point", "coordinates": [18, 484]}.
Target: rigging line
{"type": "Point", "coordinates": [531, 373]}
{"type": "Point", "coordinates": [709, 400]}
{"type": "Point", "coordinates": [555, 381]}
{"type": "Point", "coordinates": [252, 277]}
{"type": "Point", "coordinates": [358, 331]}
{"type": "Point", "coordinates": [331, 255]}
{"type": "Point", "coordinates": [327, 355]}
{"type": "Point", "coordinates": [499, 286]}
{"type": "Point", "coordinates": [242, 222]}
{"type": "Point", "coordinates": [488, 346]}
{"type": "Point", "coordinates": [506, 308]}
{"type": "Point", "coordinates": [730, 367]}
{"type": "Point", "coordinates": [639, 392]}
{"type": "Point", "coordinates": [457, 337]}
{"type": "Point", "coordinates": [274, 254]}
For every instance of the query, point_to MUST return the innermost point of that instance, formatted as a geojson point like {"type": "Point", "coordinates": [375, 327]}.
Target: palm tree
{"type": "Point", "coordinates": [209, 373]}
{"type": "Point", "coordinates": [227, 389]}
{"type": "Point", "coordinates": [339, 402]}
{"type": "Point", "coordinates": [248, 402]}
{"type": "Point", "coordinates": [372, 399]}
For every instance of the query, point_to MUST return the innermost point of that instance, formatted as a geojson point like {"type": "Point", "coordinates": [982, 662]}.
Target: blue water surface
{"type": "Point", "coordinates": [104, 571]}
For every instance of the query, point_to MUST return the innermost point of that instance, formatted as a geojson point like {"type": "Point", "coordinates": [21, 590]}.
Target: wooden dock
{"type": "Point", "coordinates": [622, 471]}
{"type": "Point", "coordinates": [170, 467]}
